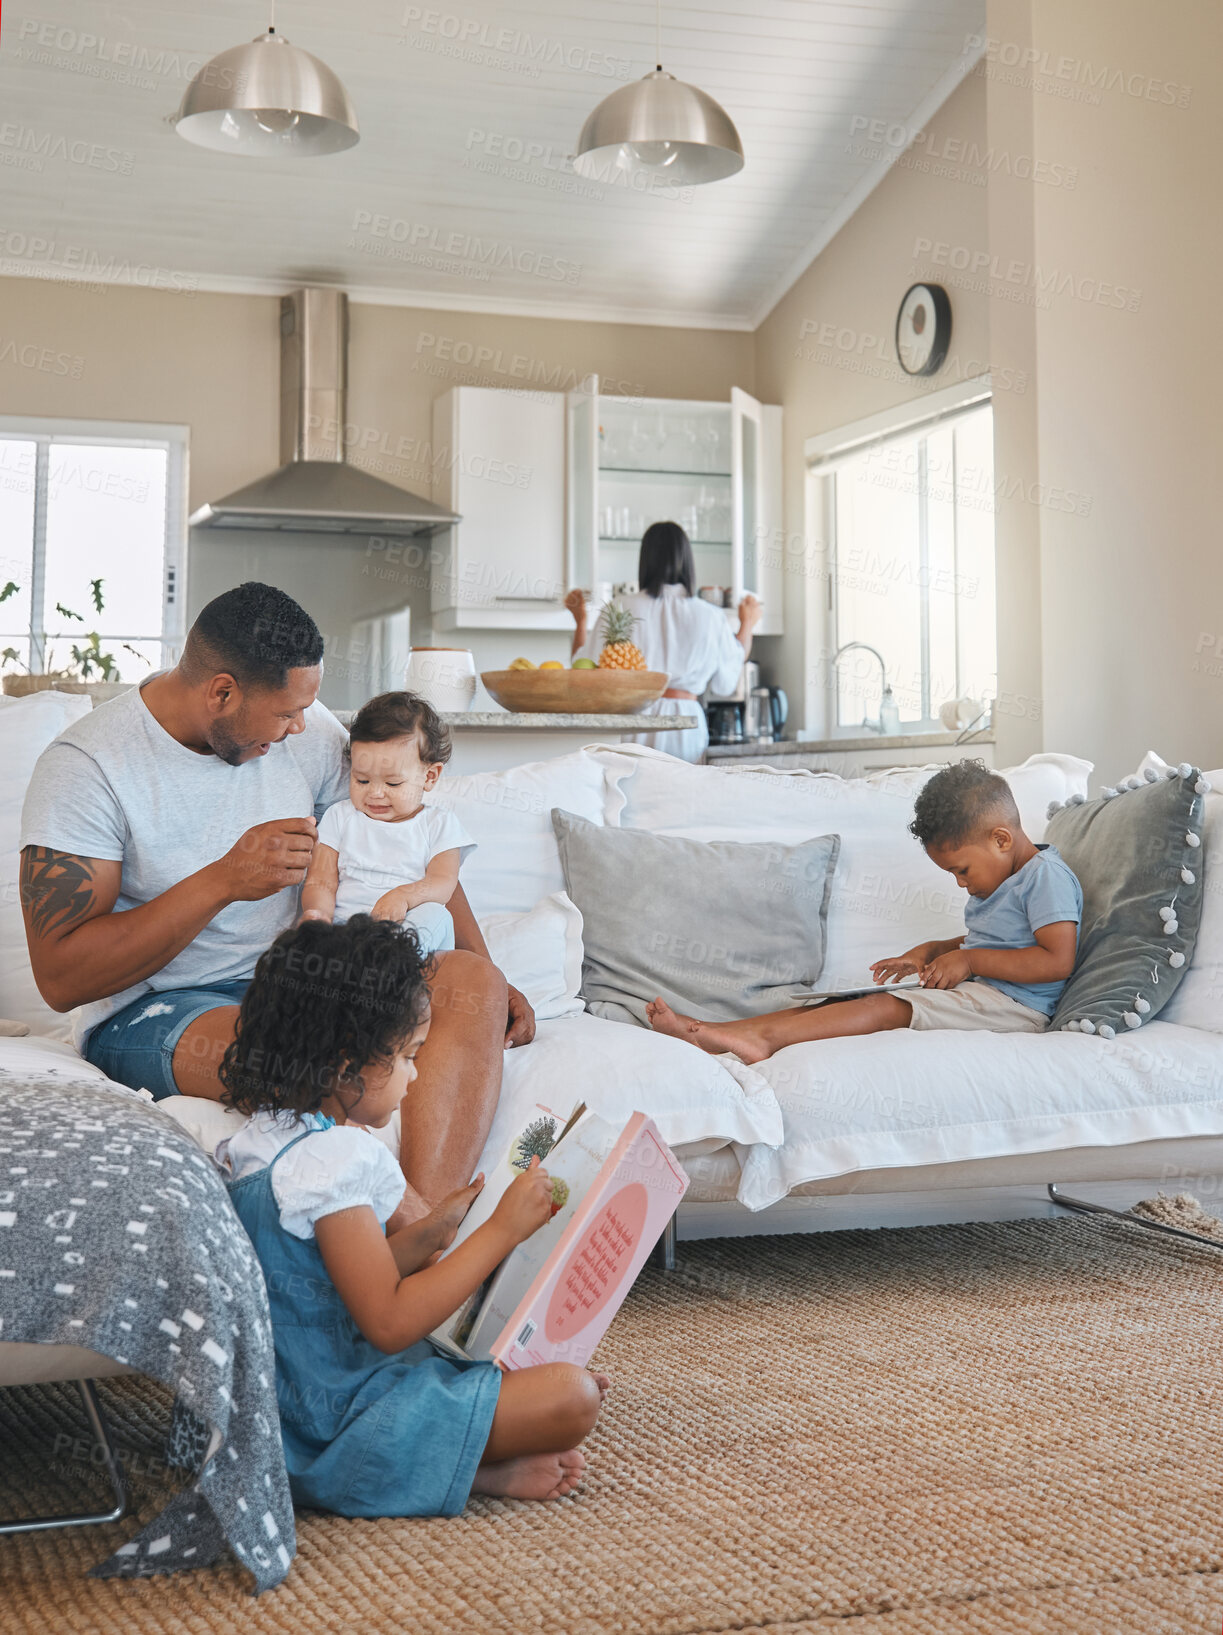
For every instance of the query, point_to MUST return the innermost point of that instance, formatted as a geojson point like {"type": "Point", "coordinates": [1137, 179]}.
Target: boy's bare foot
{"type": "Point", "coordinates": [714, 1037]}
{"type": "Point", "coordinates": [533, 1476]}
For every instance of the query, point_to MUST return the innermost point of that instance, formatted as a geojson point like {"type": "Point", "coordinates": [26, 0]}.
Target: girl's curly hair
{"type": "Point", "coordinates": [326, 1001]}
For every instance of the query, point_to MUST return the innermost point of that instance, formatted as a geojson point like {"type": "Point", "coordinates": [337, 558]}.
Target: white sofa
{"type": "Point", "coordinates": [890, 1129]}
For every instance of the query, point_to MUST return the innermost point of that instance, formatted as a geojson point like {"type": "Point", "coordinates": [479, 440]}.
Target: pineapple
{"type": "Point", "coordinates": [619, 653]}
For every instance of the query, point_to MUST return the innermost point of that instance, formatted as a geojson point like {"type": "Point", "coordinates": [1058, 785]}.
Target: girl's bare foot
{"type": "Point", "coordinates": [714, 1037]}
{"type": "Point", "coordinates": [534, 1475]}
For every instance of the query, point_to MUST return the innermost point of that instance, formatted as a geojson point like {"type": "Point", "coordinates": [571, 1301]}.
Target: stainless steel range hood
{"type": "Point", "coordinates": [316, 490]}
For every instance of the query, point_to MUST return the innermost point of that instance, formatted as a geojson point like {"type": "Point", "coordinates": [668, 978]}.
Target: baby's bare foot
{"type": "Point", "coordinates": [604, 1384]}
{"type": "Point", "coordinates": [533, 1476]}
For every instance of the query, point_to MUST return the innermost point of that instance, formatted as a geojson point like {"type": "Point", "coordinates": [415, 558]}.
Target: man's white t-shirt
{"type": "Point", "coordinates": [115, 785]}
{"type": "Point", "coordinates": [376, 856]}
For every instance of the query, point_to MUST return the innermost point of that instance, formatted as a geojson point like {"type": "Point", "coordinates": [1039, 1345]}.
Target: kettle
{"type": "Point", "coordinates": [779, 709]}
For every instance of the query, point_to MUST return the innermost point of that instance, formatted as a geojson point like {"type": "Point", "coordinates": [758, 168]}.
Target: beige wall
{"type": "Point", "coordinates": [1132, 596]}
{"type": "Point", "coordinates": [211, 362]}
{"type": "Point", "coordinates": [826, 351]}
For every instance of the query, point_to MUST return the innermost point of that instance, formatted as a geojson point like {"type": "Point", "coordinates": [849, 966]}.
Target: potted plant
{"type": "Point", "coordinates": [89, 669]}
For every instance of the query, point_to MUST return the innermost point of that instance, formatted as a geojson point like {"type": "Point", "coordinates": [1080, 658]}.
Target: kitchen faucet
{"type": "Point", "coordinates": [886, 697]}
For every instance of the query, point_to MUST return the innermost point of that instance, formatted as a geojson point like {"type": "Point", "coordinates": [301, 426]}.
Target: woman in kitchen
{"type": "Point", "coordinates": [676, 632]}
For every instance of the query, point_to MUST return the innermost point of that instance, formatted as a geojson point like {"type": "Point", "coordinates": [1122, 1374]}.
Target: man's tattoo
{"type": "Point", "coordinates": [56, 888]}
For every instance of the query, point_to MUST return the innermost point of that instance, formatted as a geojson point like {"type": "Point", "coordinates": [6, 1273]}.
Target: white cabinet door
{"type": "Point", "coordinates": [756, 505]}
{"type": "Point", "coordinates": [582, 484]}
{"type": "Point", "coordinates": [499, 461]}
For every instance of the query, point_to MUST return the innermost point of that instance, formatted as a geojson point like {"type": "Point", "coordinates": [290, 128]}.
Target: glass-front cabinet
{"type": "Point", "coordinates": [715, 468]}
{"type": "Point", "coordinates": [554, 493]}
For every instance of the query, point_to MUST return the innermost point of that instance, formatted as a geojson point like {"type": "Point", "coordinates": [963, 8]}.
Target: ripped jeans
{"type": "Point", "coordinates": [135, 1046]}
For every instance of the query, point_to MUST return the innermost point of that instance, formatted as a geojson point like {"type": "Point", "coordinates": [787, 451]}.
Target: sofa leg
{"type": "Point", "coordinates": [664, 1250]}
{"type": "Point", "coordinates": [1084, 1206]}
{"type": "Point", "coordinates": [114, 1470]}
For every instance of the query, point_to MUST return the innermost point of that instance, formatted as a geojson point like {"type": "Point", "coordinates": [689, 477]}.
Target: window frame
{"type": "Point", "coordinates": [823, 455]}
{"type": "Point", "coordinates": [43, 432]}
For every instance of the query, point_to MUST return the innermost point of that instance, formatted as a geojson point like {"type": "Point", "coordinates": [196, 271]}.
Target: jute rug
{"type": "Point", "coordinates": [1006, 1428]}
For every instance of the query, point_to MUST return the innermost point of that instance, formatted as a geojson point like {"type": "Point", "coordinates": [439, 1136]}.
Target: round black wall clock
{"type": "Point", "coordinates": [923, 329]}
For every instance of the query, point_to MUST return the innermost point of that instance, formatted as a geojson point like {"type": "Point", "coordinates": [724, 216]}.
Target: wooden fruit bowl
{"type": "Point", "coordinates": [575, 692]}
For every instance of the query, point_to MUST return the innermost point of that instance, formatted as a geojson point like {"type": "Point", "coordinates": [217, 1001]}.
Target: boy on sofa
{"type": "Point", "coordinates": [1005, 975]}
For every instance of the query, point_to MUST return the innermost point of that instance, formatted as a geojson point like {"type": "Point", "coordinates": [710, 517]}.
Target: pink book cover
{"type": "Point", "coordinates": [566, 1311]}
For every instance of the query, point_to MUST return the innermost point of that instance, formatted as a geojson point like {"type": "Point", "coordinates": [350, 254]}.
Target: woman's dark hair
{"type": "Point", "coordinates": [666, 559]}
{"type": "Point", "coordinates": [961, 802]}
{"type": "Point", "coordinates": [400, 715]}
{"type": "Point", "coordinates": [326, 1001]}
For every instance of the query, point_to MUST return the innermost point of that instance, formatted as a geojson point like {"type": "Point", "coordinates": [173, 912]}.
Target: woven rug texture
{"type": "Point", "coordinates": [1012, 1428]}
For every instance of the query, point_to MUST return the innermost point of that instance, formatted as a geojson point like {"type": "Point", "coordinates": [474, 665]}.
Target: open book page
{"type": "Point", "coordinates": [577, 1291]}
{"type": "Point", "coordinates": [534, 1138]}
{"type": "Point", "coordinates": [574, 1165]}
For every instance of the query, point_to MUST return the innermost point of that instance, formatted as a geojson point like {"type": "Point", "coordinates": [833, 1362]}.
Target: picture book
{"type": "Point", "coordinates": [552, 1298]}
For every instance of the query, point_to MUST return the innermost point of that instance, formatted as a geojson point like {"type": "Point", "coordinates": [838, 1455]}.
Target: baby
{"type": "Point", "coordinates": [383, 851]}
{"type": "Point", "coordinates": [1005, 975]}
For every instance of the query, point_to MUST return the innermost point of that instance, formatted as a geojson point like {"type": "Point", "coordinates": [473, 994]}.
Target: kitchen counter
{"type": "Point", "coordinates": [850, 757]}
{"type": "Point", "coordinates": [491, 740]}
{"type": "Point", "coordinates": [842, 746]}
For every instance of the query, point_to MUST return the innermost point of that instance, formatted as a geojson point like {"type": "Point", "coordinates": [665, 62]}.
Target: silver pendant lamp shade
{"type": "Point", "coordinates": [660, 127]}
{"type": "Point", "coordinates": [268, 98]}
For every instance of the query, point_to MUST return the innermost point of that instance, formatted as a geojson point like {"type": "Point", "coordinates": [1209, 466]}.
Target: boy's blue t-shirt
{"type": "Point", "coordinates": [1044, 891]}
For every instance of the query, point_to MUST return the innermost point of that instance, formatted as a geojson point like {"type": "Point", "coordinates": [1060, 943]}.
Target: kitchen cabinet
{"type": "Point", "coordinates": [499, 462]}
{"type": "Point", "coordinates": [715, 468]}
{"type": "Point", "coordinates": [555, 490]}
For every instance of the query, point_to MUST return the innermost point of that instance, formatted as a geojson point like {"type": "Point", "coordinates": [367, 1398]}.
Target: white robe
{"type": "Point", "coordinates": [692, 641]}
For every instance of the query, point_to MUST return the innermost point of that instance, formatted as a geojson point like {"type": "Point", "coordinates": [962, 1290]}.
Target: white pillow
{"type": "Point", "coordinates": [27, 726]}
{"type": "Point", "coordinates": [1198, 1000]}
{"type": "Point", "coordinates": [540, 953]}
{"type": "Point", "coordinates": [887, 895]}
{"type": "Point", "coordinates": [516, 861]}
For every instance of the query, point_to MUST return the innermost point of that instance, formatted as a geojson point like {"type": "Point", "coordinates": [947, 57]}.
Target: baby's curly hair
{"type": "Point", "coordinates": [959, 802]}
{"type": "Point", "coordinates": [326, 1001]}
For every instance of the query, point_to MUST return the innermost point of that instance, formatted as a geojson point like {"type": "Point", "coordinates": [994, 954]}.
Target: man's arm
{"type": "Point", "coordinates": [81, 950]}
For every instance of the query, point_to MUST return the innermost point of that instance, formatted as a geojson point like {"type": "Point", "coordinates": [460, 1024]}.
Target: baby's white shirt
{"type": "Point", "coordinates": [376, 856]}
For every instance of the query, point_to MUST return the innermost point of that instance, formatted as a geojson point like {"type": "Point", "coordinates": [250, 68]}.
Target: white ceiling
{"type": "Point", "coordinates": [145, 206]}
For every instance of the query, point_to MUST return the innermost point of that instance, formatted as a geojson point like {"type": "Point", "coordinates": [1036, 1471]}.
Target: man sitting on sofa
{"type": "Point", "coordinates": [164, 837]}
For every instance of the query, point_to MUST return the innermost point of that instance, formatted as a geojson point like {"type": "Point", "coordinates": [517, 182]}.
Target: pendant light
{"type": "Point", "coordinates": [660, 127]}
{"type": "Point", "coordinates": [268, 98]}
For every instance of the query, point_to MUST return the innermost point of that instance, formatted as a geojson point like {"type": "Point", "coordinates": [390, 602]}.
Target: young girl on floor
{"type": "Point", "coordinates": [375, 1420]}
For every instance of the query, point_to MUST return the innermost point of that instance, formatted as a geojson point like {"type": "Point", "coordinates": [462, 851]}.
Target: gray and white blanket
{"type": "Point", "coordinates": [117, 1233]}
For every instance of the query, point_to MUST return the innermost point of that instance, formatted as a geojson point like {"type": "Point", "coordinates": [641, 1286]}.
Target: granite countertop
{"type": "Point", "coordinates": [508, 720]}
{"type": "Point", "coordinates": [837, 746]}
{"type": "Point", "coordinates": [516, 720]}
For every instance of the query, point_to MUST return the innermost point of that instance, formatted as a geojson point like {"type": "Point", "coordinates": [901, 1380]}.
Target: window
{"type": "Point", "coordinates": [910, 538]}
{"type": "Point", "coordinates": [92, 548]}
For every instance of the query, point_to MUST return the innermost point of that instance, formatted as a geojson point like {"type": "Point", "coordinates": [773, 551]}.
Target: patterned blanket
{"type": "Point", "coordinates": [117, 1233]}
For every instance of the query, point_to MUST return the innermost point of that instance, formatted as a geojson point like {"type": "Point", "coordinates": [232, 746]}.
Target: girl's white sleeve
{"type": "Point", "coordinates": [335, 1169]}
{"type": "Point", "coordinates": [446, 833]}
{"type": "Point", "coordinates": [727, 655]}
{"type": "Point", "coordinates": [332, 826]}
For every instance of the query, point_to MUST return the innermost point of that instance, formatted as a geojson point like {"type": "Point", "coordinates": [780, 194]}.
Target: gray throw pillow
{"type": "Point", "coordinates": [1138, 854]}
{"type": "Point", "coordinates": [719, 929]}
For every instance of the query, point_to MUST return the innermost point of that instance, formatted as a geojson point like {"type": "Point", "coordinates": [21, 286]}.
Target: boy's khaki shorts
{"type": "Point", "coordinates": [973, 1004]}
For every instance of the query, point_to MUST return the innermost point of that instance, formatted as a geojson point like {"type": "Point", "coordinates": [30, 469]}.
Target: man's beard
{"type": "Point", "coordinates": [226, 745]}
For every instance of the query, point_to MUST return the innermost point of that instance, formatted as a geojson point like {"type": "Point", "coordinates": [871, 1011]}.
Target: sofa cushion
{"type": "Point", "coordinates": [1137, 854]}
{"type": "Point", "coordinates": [1197, 1001]}
{"type": "Point", "coordinates": [887, 895]}
{"type": "Point", "coordinates": [27, 726]}
{"type": "Point", "coordinates": [540, 953]}
{"type": "Point", "coordinates": [721, 929]}
{"type": "Point", "coordinates": [508, 814]}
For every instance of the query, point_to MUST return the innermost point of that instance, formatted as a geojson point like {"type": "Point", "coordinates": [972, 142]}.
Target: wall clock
{"type": "Point", "coordinates": [923, 329]}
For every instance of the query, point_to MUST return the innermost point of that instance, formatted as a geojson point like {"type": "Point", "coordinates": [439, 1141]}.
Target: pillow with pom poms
{"type": "Point", "coordinates": [1138, 856]}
